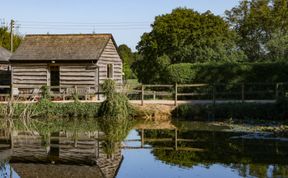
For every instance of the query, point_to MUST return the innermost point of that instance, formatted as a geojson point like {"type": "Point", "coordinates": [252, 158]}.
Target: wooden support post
{"type": "Point", "coordinates": [11, 91]}
{"type": "Point", "coordinates": [142, 138]}
{"type": "Point", "coordinates": [142, 95]}
{"type": "Point", "coordinates": [12, 23]}
{"type": "Point", "coordinates": [97, 149]}
{"type": "Point", "coordinates": [176, 139]}
{"type": "Point", "coordinates": [277, 91]}
{"type": "Point", "coordinates": [214, 94]}
{"type": "Point", "coordinates": [176, 94]}
{"type": "Point", "coordinates": [12, 139]}
{"type": "Point", "coordinates": [243, 92]}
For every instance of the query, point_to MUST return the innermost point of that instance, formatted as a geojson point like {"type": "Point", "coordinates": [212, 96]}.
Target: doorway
{"type": "Point", "coordinates": [54, 78]}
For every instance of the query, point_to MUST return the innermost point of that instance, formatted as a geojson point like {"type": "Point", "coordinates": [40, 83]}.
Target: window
{"type": "Point", "coordinates": [109, 70]}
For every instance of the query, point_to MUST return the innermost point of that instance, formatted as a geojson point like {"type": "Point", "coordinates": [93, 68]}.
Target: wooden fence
{"type": "Point", "coordinates": [56, 92]}
{"type": "Point", "coordinates": [173, 93]}
{"type": "Point", "coordinates": [213, 92]}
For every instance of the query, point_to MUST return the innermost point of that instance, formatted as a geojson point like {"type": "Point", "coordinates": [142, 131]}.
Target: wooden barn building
{"type": "Point", "coordinates": [4, 59]}
{"type": "Point", "coordinates": [5, 75]}
{"type": "Point", "coordinates": [65, 60]}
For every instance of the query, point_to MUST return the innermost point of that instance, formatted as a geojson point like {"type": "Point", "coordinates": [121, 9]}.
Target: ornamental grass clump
{"type": "Point", "coordinates": [114, 117]}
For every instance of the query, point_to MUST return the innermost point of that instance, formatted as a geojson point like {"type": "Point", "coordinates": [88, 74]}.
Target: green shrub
{"type": "Point", "coordinates": [114, 118]}
{"type": "Point", "coordinates": [269, 111]}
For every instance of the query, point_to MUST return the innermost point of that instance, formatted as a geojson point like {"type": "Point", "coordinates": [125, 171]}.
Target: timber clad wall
{"type": "Point", "coordinates": [76, 55]}
{"type": "Point", "coordinates": [29, 75]}
{"type": "Point", "coordinates": [110, 56]}
{"type": "Point", "coordinates": [78, 75]}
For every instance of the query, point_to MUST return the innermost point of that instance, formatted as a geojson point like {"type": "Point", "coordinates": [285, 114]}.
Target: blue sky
{"type": "Point", "coordinates": [127, 20]}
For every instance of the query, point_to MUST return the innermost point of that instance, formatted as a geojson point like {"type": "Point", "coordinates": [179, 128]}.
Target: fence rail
{"type": "Point", "coordinates": [56, 92]}
{"type": "Point", "coordinates": [214, 92]}
{"type": "Point", "coordinates": [174, 93]}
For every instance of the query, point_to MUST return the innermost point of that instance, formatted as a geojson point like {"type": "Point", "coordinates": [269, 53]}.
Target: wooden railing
{"type": "Point", "coordinates": [174, 93]}
{"type": "Point", "coordinates": [212, 92]}
{"type": "Point", "coordinates": [56, 92]}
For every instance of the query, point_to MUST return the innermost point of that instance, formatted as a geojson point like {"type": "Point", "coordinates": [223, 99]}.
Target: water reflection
{"type": "Point", "coordinates": [67, 148]}
{"type": "Point", "coordinates": [85, 148]}
{"type": "Point", "coordinates": [201, 144]}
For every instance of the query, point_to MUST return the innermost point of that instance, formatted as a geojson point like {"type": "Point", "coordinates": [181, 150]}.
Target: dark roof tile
{"type": "Point", "coordinates": [61, 47]}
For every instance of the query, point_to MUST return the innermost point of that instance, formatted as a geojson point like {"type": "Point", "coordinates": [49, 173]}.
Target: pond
{"type": "Point", "coordinates": [177, 149]}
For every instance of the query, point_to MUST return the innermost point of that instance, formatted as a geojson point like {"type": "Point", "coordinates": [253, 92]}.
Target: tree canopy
{"type": "Point", "coordinates": [5, 37]}
{"type": "Point", "coordinates": [260, 24]}
{"type": "Point", "coordinates": [128, 58]}
{"type": "Point", "coordinates": [185, 36]}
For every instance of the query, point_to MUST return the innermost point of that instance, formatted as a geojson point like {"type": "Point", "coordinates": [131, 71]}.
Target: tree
{"type": "Point", "coordinates": [278, 46]}
{"type": "Point", "coordinates": [185, 36]}
{"type": "Point", "coordinates": [256, 22]}
{"type": "Point", "coordinates": [5, 39]}
{"type": "Point", "coordinates": [128, 58]}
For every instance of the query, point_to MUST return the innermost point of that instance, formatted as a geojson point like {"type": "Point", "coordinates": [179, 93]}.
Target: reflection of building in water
{"type": "Point", "coordinates": [65, 150]}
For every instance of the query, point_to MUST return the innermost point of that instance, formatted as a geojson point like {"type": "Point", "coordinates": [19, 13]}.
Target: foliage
{"type": "Point", "coordinates": [255, 22]}
{"type": "Point", "coordinates": [228, 73]}
{"type": "Point", "coordinates": [128, 58]}
{"type": "Point", "coordinates": [45, 93]}
{"type": "Point", "coordinates": [185, 36]}
{"type": "Point", "coordinates": [5, 39]}
{"type": "Point", "coordinates": [278, 46]}
{"type": "Point", "coordinates": [114, 117]}
{"type": "Point", "coordinates": [271, 111]}
{"type": "Point", "coordinates": [46, 109]}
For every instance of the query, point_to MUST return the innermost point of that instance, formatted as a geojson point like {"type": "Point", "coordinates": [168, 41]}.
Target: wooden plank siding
{"type": "Point", "coordinates": [78, 75]}
{"type": "Point", "coordinates": [29, 75]}
{"type": "Point", "coordinates": [110, 56]}
{"type": "Point", "coordinates": [28, 71]}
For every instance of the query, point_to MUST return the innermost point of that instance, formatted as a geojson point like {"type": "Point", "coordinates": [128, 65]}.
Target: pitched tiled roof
{"type": "Point", "coordinates": [61, 47]}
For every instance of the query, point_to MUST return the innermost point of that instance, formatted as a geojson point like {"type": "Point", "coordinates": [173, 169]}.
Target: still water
{"type": "Point", "coordinates": [168, 150]}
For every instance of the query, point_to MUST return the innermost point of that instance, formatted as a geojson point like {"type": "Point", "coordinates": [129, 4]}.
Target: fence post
{"type": "Point", "coordinates": [176, 94]}
{"type": "Point", "coordinates": [11, 91]}
{"type": "Point", "coordinates": [243, 92]}
{"type": "Point", "coordinates": [214, 94]}
{"type": "Point", "coordinates": [176, 140]}
{"type": "Point", "coordinates": [142, 95]}
{"type": "Point", "coordinates": [277, 91]}
{"type": "Point", "coordinates": [154, 95]}
{"type": "Point", "coordinates": [142, 138]}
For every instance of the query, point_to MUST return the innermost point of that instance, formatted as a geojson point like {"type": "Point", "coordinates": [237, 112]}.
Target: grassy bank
{"type": "Point", "coordinates": [48, 109]}
{"type": "Point", "coordinates": [270, 111]}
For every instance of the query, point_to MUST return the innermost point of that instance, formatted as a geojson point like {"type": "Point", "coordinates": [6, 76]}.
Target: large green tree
{"type": "Point", "coordinates": [5, 39]}
{"type": "Point", "coordinates": [257, 22]}
{"type": "Point", "coordinates": [184, 36]}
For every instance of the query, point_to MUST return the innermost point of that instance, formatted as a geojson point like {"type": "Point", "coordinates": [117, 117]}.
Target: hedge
{"type": "Point", "coordinates": [228, 73]}
{"type": "Point", "coordinates": [250, 111]}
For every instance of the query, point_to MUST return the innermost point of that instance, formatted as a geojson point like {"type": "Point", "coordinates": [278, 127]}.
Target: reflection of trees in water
{"type": "Point", "coordinates": [261, 170]}
{"type": "Point", "coordinates": [115, 131]}
{"type": "Point", "coordinates": [253, 157]}
{"type": "Point", "coordinates": [114, 119]}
